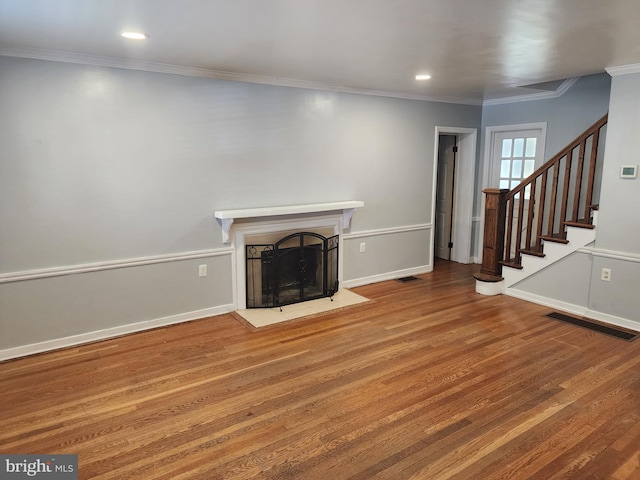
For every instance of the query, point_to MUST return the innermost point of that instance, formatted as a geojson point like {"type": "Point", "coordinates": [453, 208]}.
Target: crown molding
{"type": "Point", "coordinates": [141, 65]}
{"type": "Point", "coordinates": [623, 69]}
{"type": "Point", "coordinates": [561, 90]}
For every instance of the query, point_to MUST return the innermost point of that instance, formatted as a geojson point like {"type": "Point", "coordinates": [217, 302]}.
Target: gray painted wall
{"type": "Point", "coordinates": [566, 281]}
{"type": "Point", "coordinates": [567, 116]}
{"type": "Point", "coordinates": [44, 309]}
{"type": "Point", "coordinates": [415, 248]}
{"type": "Point", "coordinates": [619, 220]}
{"type": "Point", "coordinates": [101, 165]}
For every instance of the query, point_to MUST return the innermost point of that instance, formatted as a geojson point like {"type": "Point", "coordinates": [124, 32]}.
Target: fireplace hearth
{"type": "Point", "coordinates": [299, 267]}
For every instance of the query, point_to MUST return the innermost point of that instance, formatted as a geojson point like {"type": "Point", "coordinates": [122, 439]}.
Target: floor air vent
{"type": "Point", "coordinates": [407, 279]}
{"type": "Point", "coordinates": [614, 332]}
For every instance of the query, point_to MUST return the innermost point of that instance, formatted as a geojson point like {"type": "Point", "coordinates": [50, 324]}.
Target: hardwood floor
{"type": "Point", "coordinates": [428, 381]}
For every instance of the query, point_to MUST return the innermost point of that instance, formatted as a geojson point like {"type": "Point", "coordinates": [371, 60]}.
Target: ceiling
{"type": "Point", "coordinates": [475, 51]}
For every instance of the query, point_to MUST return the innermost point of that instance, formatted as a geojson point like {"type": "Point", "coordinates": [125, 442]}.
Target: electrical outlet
{"type": "Point", "coordinates": [606, 275]}
{"type": "Point", "coordinates": [202, 270]}
{"type": "Point", "coordinates": [363, 247]}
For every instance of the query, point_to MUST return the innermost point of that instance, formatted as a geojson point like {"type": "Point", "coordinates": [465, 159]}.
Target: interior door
{"type": "Point", "coordinates": [447, 149]}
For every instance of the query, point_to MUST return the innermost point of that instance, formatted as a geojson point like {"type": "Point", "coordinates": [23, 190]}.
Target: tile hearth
{"type": "Point", "coordinates": [263, 317]}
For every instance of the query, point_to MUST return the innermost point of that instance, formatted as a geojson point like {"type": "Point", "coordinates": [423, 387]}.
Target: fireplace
{"type": "Point", "coordinates": [265, 226]}
{"type": "Point", "coordinates": [300, 266]}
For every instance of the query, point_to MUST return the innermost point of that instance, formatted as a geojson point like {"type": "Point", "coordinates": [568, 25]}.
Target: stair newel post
{"type": "Point", "coordinates": [494, 227]}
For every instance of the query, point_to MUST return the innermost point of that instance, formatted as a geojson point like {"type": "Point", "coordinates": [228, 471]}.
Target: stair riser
{"type": "Point", "coordinates": [578, 238]}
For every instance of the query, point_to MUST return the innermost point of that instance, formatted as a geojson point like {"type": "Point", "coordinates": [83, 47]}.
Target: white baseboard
{"type": "Point", "coordinates": [574, 309]}
{"type": "Point", "coordinates": [613, 320]}
{"type": "Point", "coordinates": [357, 282]}
{"type": "Point", "coordinates": [97, 335]}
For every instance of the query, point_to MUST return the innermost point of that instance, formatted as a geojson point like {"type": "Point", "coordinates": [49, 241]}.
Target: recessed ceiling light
{"type": "Point", "coordinates": [423, 77]}
{"type": "Point", "coordinates": [135, 35]}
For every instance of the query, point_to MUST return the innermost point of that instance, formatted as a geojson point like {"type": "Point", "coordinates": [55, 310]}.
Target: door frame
{"type": "Point", "coordinates": [463, 192]}
{"type": "Point", "coordinates": [487, 166]}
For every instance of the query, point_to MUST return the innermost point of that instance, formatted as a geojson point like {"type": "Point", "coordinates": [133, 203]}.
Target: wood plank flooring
{"type": "Point", "coordinates": [428, 381]}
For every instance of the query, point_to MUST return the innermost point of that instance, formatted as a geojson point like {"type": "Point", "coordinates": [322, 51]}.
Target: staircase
{"type": "Point", "coordinates": [530, 263]}
{"type": "Point", "coordinates": [548, 216]}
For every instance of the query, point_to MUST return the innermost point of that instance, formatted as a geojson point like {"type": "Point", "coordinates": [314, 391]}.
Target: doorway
{"type": "Point", "coordinates": [445, 198]}
{"type": "Point", "coordinates": [462, 192]}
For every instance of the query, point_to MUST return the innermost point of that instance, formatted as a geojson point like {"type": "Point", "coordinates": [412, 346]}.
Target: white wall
{"type": "Point", "coordinates": [109, 168]}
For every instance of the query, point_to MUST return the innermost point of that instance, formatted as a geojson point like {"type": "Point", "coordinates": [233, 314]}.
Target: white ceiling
{"type": "Point", "coordinates": [475, 50]}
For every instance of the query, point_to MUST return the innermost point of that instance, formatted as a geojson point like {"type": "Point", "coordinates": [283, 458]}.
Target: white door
{"type": "Point", "coordinates": [515, 155]}
{"type": "Point", "coordinates": [447, 149]}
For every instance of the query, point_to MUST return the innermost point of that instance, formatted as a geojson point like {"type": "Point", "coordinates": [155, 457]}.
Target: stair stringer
{"type": "Point", "coordinates": [577, 237]}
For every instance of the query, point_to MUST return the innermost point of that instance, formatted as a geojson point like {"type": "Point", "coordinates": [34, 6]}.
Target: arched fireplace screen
{"type": "Point", "coordinates": [302, 266]}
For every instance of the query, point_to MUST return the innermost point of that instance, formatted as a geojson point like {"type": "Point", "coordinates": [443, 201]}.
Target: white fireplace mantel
{"type": "Point", "coordinates": [227, 217]}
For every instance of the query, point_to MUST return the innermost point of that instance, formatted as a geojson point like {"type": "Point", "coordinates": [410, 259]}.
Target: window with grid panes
{"type": "Point", "coordinates": [517, 161]}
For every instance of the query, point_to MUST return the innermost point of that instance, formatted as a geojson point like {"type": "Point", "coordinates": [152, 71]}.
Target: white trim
{"type": "Point", "coordinates": [489, 288]}
{"type": "Point", "coordinates": [616, 255]}
{"type": "Point", "coordinates": [547, 302]}
{"type": "Point", "coordinates": [382, 277]}
{"type": "Point", "coordinates": [158, 259]}
{"type": "Point", "coordinates": [110, 265]}
{"type": "Point", "coordinates": [476, 255]}
{"type": "Point", "coordinates": [558, 92]}
{"type": "Point", "coordinates": [463, 191]}
{"type": "Point", "coordinates": [227, 217]}
{"type": "Point", "coordinates": [574, 309]}
{"type": "Point", "coordinates": [131, 64]}
{"type": "Point", "coordinates": [97, 335]}
{"type": "Point", "coordinates": [613, 320]}
{"type": "Point", "coordinates": [387, 231]}
{"type": "Point", "coordinates": [623, 69]}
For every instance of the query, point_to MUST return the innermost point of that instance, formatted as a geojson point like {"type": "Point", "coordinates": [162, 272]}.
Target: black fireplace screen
{"type": "Point", "coordinates": [302, 266]}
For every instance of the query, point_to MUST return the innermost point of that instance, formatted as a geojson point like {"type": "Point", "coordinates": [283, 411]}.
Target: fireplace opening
{"type": "Point", "coordinates": [299, 267]}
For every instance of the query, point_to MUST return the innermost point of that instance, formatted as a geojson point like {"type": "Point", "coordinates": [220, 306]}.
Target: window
{"type": "Point", "coordinates": [517, 161]}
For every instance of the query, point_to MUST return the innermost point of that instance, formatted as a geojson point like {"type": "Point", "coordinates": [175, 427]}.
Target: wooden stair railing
{"type": "Point", "coordinates": [558, 194]}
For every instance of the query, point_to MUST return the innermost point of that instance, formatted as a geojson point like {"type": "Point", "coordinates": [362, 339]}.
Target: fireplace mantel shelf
{"type": "Point", "coordinates": [227, 217]}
